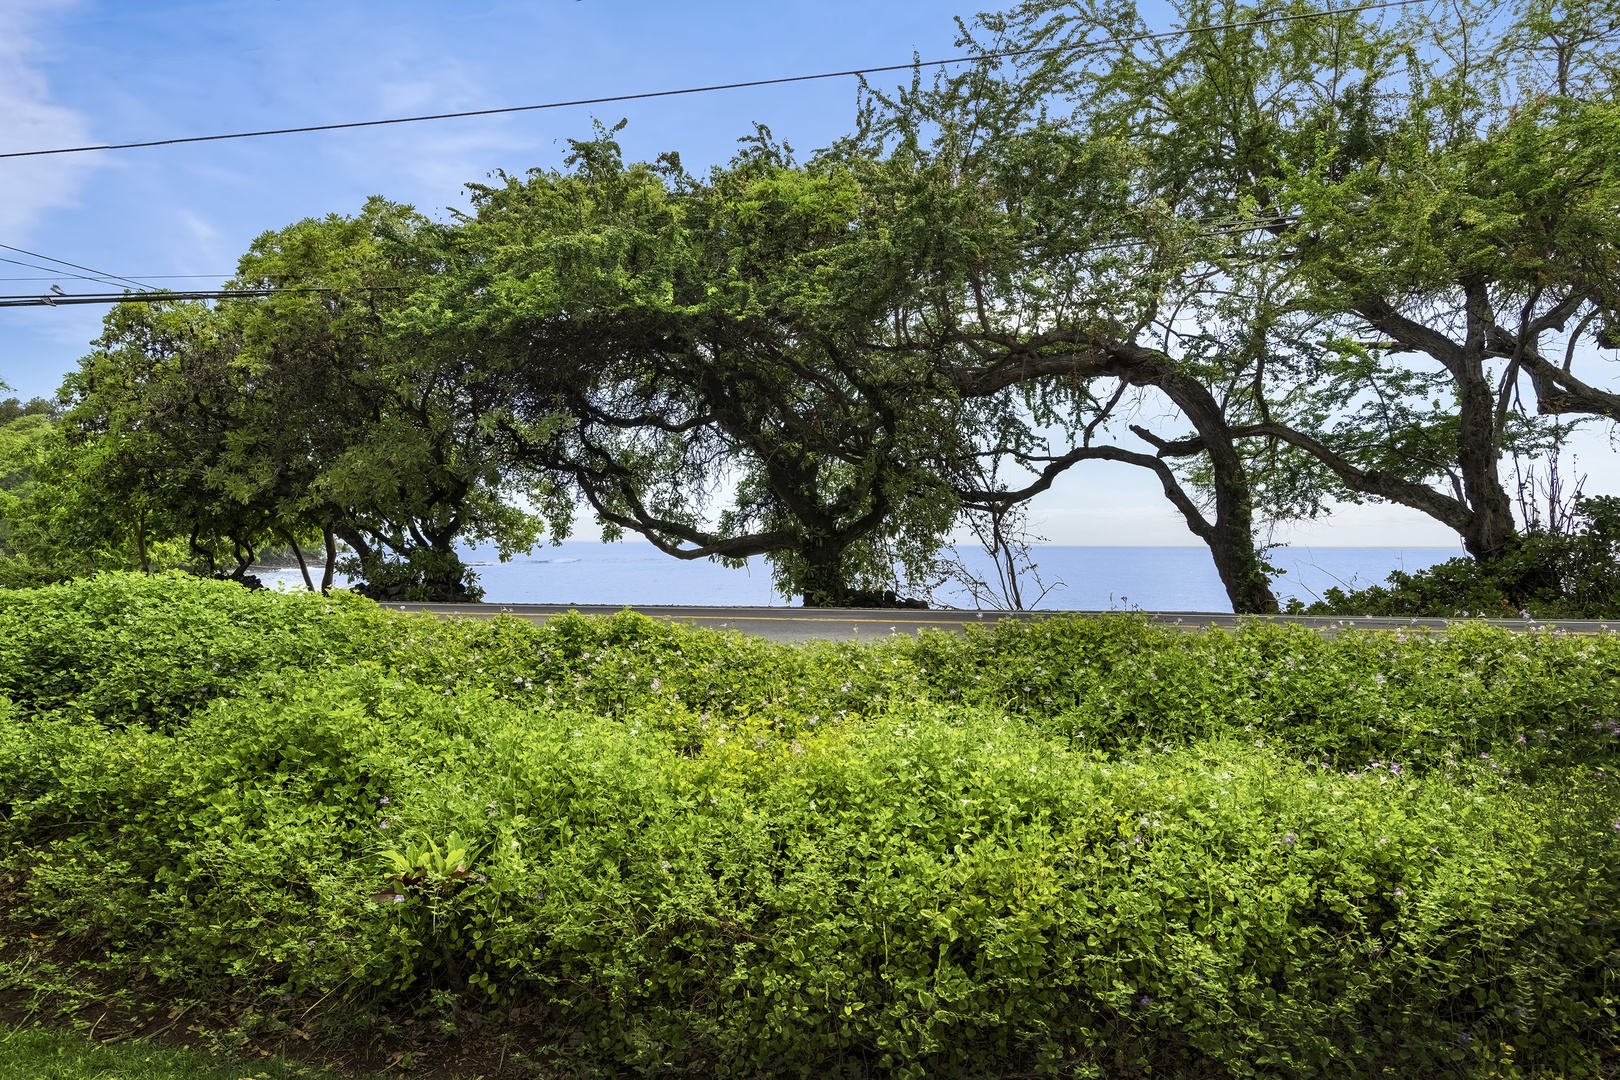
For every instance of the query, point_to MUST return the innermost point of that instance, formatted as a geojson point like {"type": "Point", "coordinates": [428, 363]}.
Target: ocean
{"type": "Point", "coordinates": [1082, 578]}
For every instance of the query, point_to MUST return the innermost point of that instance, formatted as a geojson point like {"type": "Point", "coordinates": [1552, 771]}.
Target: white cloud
{"type": "Point", "coordinates": [30, 120]}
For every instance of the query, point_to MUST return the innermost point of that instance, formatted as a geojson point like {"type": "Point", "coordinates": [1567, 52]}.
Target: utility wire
{"type": "Point", "coordinates": [157, 297]}
{"type": "Point", "coordinates": [649, 95]}
{"type": "Point", "coordinates": [62, 274]}
{"type": "Point", "coordinates": [148, 277]}
{"type": "Point", "coordinates": [109, 278]}
{"type": "Point", "coordinates": [132, 298]}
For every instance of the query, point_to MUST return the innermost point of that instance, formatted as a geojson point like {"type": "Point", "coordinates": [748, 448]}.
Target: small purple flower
{"type": "Point", "coordinates": [1484, 757]}
{"type": "Point", "coordinates": [383, 824]}
{"type": "Point", "coordinates": [1145, 1001]}
{"type": "Point", "coordinates": [287, 998]}
{"type": "Point", "coordinates": [1465, 1038]}
{"type": "Point", "coordinates": [1290, 838]}
{"type": "Point", "coordinates": [1523, 740]}
{"type": "Point", "coordinates": [1395, 769]}
{"type": "Point", "coordinates": [1399, 893]}
{"type": "Point", "coordinates": [399, 898]}
{"type": "Point", "coordinates": [1617, 826]}
{"type": "Point", "coordinates": [384, 801]}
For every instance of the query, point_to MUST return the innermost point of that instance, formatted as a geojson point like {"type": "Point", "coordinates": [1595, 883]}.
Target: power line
{"type": "Point", "coordinates": [148, 277]}
{"type": "Point", "coordinates": [164, 296]}
{"type": "Point", "coordinates": [110, 279]}
{"type": "Point", "coordinates": [649, 95]}
{"type": "Point", "coordinates": [69, 299]}
{"type": "Point", "coordinates": [61, 274]}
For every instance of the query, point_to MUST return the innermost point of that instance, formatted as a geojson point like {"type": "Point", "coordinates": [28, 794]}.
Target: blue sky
{"type": "Point", "coordinates": [75, 71]}
{"type": "Point", "coordinates": [90, 71]}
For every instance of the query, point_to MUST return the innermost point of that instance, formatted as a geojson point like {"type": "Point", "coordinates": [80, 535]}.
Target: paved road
{"type": "Point", "coordinates": [853, 624]}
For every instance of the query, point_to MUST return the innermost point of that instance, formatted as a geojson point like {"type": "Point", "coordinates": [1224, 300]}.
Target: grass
{"type": "Point", "coordinates": [42, 1054]}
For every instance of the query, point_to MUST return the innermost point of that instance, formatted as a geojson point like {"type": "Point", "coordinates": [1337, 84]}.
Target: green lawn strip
{"type": "Point", "coordinates": [45, 1054]}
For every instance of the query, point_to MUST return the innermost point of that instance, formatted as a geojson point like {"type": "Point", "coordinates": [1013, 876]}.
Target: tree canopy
{"type": "Point", "coordinates": [1285, 259]}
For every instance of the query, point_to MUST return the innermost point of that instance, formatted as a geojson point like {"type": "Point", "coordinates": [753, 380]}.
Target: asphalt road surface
{"type": "Point", "coordinates": [857, 624]}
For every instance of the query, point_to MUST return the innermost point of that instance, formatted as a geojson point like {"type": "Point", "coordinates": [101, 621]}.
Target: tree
{"type": "Point", "coordinates": [1418, 191]}
{"type": "Point", "coordinates": [377, 436]}
{"type": "Point", "coordinates": [27, 436]}
{"type": "Point", "coordinates": [686, 352]}
{"type": "Point", "coordinates": [1033, 256]}
{"type": "Point", "coordinates": [151, 411]}
{"type": "Point", "coordinates": [297, 417]}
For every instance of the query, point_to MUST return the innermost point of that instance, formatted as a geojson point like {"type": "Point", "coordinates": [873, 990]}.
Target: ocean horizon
{"type": "Point", "coordinates": [1077, 578]}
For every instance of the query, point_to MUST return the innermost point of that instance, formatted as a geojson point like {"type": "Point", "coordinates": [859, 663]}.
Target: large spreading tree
{"type": "Point", "coordinates": [691, 354]}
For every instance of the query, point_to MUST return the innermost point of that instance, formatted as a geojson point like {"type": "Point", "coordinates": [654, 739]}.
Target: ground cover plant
{"type": "Point", "coordinates": [39, 1054]}
{"type": "Point", "coordinates": [1081, 847]}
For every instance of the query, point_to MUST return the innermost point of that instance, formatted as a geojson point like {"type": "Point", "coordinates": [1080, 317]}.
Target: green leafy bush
{"type": "Point", "coordinates": [1547, 575]}
{"type": "Point", "coordinates": [136, 649]}
{"type": "Point", "coordinates": [1079, 847]}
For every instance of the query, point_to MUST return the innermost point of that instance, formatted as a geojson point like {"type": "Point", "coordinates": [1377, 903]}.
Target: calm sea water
{"type": "Point", "coordinates": [1083, 578]}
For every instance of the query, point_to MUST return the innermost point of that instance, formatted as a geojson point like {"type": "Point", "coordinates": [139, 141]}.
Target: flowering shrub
{"type": "Point", "coordinates": [1080, 847]}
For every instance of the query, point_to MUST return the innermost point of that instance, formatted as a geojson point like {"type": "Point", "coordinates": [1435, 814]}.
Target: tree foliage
{"type": "Point", "coordinates": [1339, 249]}
{"type": "Point", "coordinates": [693, 354]}
{"type": "Point", "coordinates": [1284, 259]}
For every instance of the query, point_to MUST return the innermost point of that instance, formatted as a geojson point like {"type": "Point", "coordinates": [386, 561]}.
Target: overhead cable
{"type": "Point", "coordinates": [109, 278]}
{"type": "Point", "coordinates": [148, 277]}
{"type": "Point", "coordinates": [649, 95]}
{"type": "Point", "coordinates": [67, 299]}
{"type": "Point", "coordinates": [164, 296]}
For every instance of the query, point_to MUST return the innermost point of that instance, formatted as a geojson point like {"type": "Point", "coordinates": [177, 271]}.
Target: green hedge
{"type": "Point", "coordinates": [1083, 847]}
{"type": "Point", "coordinates": [126, 649]}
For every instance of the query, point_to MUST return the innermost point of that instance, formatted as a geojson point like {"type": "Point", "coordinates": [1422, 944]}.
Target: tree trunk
{"type": "Point", "coordinates": [298, 553]}
{"type": "Point", "coordinates": [140, 542]}
{"type": "Point", "coordinates": [1231, 534]}
{"type": "Point", "coordinates": [1231, 540]}
{"type": "Point", "coordinates": [331, 560]}
{"type": "Point", "coordinates": [1491, 529]}
{"type": "Point", "coordinates": [1485, 520]}
{"type": "Point", "coordinates": [823, 581]}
